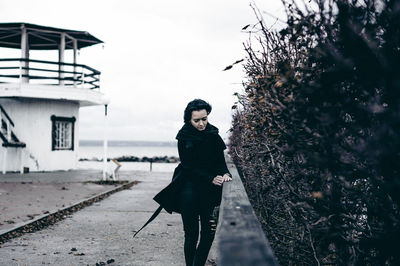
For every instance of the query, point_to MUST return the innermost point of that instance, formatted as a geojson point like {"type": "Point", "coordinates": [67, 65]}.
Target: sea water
{"type": "Point", "coordinates": [94, 150]}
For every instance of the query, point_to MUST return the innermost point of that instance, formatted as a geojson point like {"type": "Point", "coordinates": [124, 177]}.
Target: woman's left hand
{"type": "Point", "coordinates": [227, 178]}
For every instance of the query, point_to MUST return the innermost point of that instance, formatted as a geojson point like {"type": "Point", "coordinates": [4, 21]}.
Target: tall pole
{"type": "Point", "coordinates": [105, 144]}
{"type": "Point", "coordinates": [24, 71]}
{"type": "Point", "coordinates": [75, 44]}
{"type": "Point", "coordinates": [61, 59]}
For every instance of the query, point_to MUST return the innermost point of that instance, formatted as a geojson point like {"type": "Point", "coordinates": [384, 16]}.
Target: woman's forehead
{"type": "Point", "coordinates": [199, 114]}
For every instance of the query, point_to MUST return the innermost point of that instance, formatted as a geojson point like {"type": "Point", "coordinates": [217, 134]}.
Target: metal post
{"type": "Point", "coordinates": [20, 71]}
{"type": "Point", "coordinates": [83, 78]}
{"type": "Point", "coordinates": [21, 162]}
{"type": "Point", "coordinates": [24, 64]}
{"type": "Point", "coordinates": [75, 44]}
{"type": "Point", "coordinates": [61, 59]}
{"type": "Point", "coordinates": [105, 144]}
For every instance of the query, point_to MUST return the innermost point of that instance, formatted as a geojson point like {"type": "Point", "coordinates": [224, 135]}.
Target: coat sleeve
{"type": "Point", "coordinates": [221, 164]}
{"type": "Point", "coordinates": [190, 167]}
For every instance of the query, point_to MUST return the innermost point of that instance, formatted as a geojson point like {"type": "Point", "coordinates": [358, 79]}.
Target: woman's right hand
{"type": "Point", "coordinates": [218, 180]}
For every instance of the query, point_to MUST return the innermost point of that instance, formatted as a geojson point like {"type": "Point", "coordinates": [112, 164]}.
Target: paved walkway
{"type": "Point", "coordinates": [23, 197]}
{"type": "Point", "coordinates": [102, 233]}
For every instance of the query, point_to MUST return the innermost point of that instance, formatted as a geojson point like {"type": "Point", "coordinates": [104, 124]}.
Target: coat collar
{"type": "Point", "coordinates": [188, 132]}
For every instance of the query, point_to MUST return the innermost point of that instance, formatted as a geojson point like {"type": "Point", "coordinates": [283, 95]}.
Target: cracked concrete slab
{"type": "Point", "coordinates": [103, 233]}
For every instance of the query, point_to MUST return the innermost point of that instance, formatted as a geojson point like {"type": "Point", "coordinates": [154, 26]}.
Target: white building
{"type": "Point", "coordinates": [40, 99]}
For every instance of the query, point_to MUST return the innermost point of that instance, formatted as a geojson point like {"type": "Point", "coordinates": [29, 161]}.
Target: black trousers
{"type": "Point", "coordinates": [195, 206]}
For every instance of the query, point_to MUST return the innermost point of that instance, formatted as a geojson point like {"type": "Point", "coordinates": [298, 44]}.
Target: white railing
{"type": "Point", "coordinates": [48, 72]}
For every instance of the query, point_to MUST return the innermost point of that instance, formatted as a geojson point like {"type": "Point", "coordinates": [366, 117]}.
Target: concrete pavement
{"type": "Point", "coordinates": [102, 233]}
{"type": "Point", "coordinates": [23, 197]}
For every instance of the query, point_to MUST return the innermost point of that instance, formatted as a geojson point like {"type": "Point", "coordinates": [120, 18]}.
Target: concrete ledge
{"type": "Point", "coordinates": [53, 217]}
{"type": "Point", "coordinates": [241, 240]}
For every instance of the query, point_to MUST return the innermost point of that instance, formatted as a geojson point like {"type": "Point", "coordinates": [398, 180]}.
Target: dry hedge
{"type": "Point", "coordinates": [316, 132]}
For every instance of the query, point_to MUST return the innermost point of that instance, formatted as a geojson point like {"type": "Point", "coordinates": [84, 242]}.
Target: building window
{"type": "Point", "coordinates": [62, 133]}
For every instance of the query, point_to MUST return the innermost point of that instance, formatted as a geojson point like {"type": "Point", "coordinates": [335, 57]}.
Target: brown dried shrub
{"type": "Point", "coordinates": [316, 132]}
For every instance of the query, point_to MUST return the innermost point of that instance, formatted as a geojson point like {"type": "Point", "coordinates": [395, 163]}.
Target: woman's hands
{"type": "Point", "coordinates": [219, 180]}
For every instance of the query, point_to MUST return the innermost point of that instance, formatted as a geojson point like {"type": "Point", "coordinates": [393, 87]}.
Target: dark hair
{"type": "Point", "coordinates": [195, 105]}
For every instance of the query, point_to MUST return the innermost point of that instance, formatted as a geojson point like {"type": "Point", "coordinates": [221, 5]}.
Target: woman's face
{"type": "Point", "coordinates": [199, 119]}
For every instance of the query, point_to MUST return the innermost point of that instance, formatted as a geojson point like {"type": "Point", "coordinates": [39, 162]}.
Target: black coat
{"type": "Point", "coordinates": [202, 158]}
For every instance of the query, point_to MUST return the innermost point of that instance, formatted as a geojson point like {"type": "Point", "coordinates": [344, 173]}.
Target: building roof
{"type": "Point", "coordinates": [42, 37]}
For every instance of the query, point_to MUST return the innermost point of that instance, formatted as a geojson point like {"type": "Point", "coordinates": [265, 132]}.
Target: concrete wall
{"type": "Point", "coordinates": [33, 126]}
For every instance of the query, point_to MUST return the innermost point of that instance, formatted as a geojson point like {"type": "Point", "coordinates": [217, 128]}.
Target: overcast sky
{"type": "Point", "coordinates": [157, 56]}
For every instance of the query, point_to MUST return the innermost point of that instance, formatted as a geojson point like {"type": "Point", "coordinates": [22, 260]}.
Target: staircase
{"type": "Point", "coordinates": [7, 135]}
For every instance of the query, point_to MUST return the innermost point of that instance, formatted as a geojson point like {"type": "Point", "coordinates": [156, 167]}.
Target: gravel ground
{"type": "Point", "coordinates": [25, 196]}
{"type": "Point", "coordinates": [21, 202]}
{"type": "Point", "coordinates": [100, 234]}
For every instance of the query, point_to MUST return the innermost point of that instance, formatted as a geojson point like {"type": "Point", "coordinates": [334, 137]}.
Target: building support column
{"type": "Point", "coordinates": [105, 144]}
{"type": "Point", "coordinates": [24, 64]}
{"type": "Point", "coordinates": [75, 46]}
{"type": "Point", "coordinates": [61, 59]}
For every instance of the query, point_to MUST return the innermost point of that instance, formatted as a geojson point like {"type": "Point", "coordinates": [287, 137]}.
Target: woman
{"type": "Point", "coordinates": [197, 183]}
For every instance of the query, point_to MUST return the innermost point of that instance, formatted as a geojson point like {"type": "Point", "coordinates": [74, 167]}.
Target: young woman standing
{"type": "Point", "coordinates": [197, 183]}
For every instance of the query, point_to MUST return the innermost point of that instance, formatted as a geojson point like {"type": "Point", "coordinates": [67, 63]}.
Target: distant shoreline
{"type": "Point", "coordinates": [127, 143]}
{"type": "Point", "coordinates": [154, 159]}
